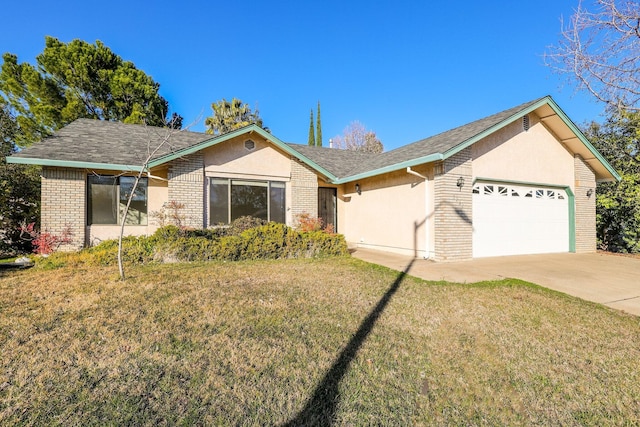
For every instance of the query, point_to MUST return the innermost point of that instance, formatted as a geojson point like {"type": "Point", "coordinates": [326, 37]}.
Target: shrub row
{"type": "Point", "coordinates": [240, 241]}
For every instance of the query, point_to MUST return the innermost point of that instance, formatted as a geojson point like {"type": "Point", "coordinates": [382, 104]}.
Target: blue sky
{"type": "Point", "coordinates": [405, 69]}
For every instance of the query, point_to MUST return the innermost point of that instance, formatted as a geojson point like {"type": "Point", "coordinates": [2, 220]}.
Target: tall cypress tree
{"type": "Point", "coordinates": [318, 129]}
{"type": "Point", "coordinates": [312, 138]}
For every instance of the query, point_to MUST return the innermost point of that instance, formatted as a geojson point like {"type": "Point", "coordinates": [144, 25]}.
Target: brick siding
{"type": "Point", "coordinates": [304, 190]}
{"type": "Point", "coordinates": [585, 206]}
{"type": "Point", "coordinates": [63, 195]}
{"type": "Point", "coordinates": [186, 186]}
{"type": "Point", "coordinates": [453, 209]}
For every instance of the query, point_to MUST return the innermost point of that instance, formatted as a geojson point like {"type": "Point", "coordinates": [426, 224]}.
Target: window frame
{"type": "Point", "coordinates": [116, 199]}
{"type": "Point", "coordinates": [268, 184]}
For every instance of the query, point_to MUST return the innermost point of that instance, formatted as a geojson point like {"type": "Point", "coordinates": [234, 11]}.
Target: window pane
{"type": "Point", "coordinates": [277, 202]}
{"type": "Point", "coordinates": [137, 214]}
{"type": "Point", "coordinates": [219, 201]}
{"type": "Point", "coordinates": [103, 194]}
{"type": "Point", "coordinates": [248, 198]}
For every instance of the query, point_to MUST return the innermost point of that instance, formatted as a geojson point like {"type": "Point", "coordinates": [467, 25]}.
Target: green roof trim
{"type": "Point", "coordinates": [391, 168]}
{"type": "Point", "coordinates": [238, 132]}
{"type": "Point", "coordinates": [70, 164]}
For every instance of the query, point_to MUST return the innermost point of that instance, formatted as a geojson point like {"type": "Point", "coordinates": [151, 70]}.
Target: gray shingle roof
{"type": "Point", "coordinates": [441, 143]}
{"type": "Point", "coordinates": [94, 141]}
{"type": "Point", "coordinates": [339, 162]}
{"type": "Point", "coordinates": [343, 163]}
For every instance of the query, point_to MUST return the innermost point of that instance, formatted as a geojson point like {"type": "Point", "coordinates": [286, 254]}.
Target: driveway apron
{"type": "Point", "coordinates": [603, 278]}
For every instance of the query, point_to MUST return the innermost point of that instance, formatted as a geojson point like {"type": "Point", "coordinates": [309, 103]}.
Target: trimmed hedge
{"type": "Point", "coordinates": [236, 242]}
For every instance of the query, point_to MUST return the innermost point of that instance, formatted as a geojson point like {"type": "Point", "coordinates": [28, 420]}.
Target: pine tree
{"type": "Point", "coordinates": [318, 129]}
{"type": "Point", "coordinates": [312, 138]}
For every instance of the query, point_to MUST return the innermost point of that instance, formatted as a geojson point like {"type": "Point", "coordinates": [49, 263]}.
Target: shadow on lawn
{"type": "Point", "coordinates": [320, 409]}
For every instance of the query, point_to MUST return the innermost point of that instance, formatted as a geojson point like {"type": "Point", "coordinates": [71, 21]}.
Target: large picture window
{"type": "Point", "coordinates": [107, 200]}
{"type": "Point", "coordinates": [229, 199]}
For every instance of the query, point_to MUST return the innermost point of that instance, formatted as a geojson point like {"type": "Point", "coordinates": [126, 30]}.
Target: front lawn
{"type": "Point", "coordinates": [304, 342]}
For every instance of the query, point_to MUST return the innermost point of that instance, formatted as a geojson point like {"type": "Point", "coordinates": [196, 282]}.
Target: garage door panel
{"type": "Point", "coordinates": [515, 220]}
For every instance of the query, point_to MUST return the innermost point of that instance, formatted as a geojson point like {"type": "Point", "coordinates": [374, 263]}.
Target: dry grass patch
{"type": "Point", "coordinates": [248, 343]}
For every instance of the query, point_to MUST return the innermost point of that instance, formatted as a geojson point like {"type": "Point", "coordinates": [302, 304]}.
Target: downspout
{"type": "Point", "coordinates": [426, 199]}
{"type": "Point", "coordinates": [412, 172]}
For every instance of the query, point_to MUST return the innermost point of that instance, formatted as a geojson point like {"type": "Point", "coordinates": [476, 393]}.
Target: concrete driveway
{"type": "Point", "coordinates": [607, 279]}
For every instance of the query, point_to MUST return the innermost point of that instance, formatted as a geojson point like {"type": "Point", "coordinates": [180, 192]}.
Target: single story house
{"type": "Point", "coordinates": [521, 181]}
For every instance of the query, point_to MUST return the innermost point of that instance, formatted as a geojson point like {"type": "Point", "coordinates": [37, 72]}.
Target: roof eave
{"type": "Point", "coordinates": [391, 168]}
{"type": "Point", "coordinates": [71, 164]}
{"type": "Point", "coordinates": [567, 121]}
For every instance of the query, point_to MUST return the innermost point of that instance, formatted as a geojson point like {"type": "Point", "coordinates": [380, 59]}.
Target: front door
{"type": "Point", "coordinates": [327, 207]}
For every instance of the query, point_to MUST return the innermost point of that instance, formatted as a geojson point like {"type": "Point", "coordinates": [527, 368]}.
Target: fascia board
{"type": "Point", "coordinates": [70, 164]}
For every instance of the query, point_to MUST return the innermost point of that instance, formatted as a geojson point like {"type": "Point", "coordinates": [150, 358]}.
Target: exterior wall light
{"type": "Point", "coordinates": [460, 182]}
{"type": "Point", "coordinates": [358, 190]}
{"type": "Point", "coordinates": [590, 192]}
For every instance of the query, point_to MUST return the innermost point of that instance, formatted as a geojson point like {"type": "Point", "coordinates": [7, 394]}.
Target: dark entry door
{"type": "Point", "coordinates": [327, 207]}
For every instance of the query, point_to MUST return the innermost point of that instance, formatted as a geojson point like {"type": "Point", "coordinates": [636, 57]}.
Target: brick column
{"type": "Point", "coordinates": [63, 195]}
{"type": "Point", "coordinates": [304, 190]}
{"type": "Point", "coordinates": [585, 206]}
{"type": "Point", "coordinates": [186, 186]}
{"type": "Point", "coordinates": [453, 209]}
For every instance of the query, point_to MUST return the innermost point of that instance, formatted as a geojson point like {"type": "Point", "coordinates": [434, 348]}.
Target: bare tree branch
{"type": "Point", "coordinates": [357, 138]}
{"type": "Point", "coordinates": [599, 50]}
{"type": "Point", "coordinates": [153, 148]}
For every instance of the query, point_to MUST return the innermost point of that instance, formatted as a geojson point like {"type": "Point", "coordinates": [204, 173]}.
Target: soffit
{"type": "Point", "coordinates": [574, 142]}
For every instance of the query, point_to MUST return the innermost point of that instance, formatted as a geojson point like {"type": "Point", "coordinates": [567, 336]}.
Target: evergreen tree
{"type": "Point", "coordinates": [618, 203]}
{"type": "Point", "coordinates": [312, 137]}
{"type": "Point", "coordinates": [19, 190]}
{"type": "Point", "coordinates": [318, 129]}
{"type": "Point", "coordinates": [68, 81]}
{"type": "Point", "coordinates": [73, 80]}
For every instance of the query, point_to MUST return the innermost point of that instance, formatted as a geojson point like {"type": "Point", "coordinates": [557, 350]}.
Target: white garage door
{"type": "Point", "coordinates": [514, 220]}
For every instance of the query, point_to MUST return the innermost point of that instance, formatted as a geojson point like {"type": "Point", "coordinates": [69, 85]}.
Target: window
{"type": "Point", "coordinates": [107, 199]}
{"type": "Point", "coordinates": [229, 199]}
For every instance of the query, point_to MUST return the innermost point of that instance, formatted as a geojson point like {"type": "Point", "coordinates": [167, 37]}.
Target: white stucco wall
{"type": "Point", "coordinates": [389, 214]}
{"type": "Point", "coordinates": [533, 156]}
{"type": "Point", "coordinates": [231, 159]}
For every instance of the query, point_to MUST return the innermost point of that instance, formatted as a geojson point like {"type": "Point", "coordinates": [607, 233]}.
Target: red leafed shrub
{"type": "Point", "coordinates": [45, 242]}
{"type": "Point", "coordinates": [307, 223]}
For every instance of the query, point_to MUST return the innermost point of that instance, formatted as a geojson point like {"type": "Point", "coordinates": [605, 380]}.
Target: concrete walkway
{"type": "Point", "coordinates": [603, 278]}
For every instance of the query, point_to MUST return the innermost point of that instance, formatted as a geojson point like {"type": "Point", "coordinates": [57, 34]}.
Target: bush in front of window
{"type": "Point", "coordinates": [172, 244]}
{"type": "Point", "coordinates": [270, 241]}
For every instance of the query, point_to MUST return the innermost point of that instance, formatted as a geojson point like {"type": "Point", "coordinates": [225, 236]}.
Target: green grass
{"type": "Point", "coordinates": [306, 342]}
